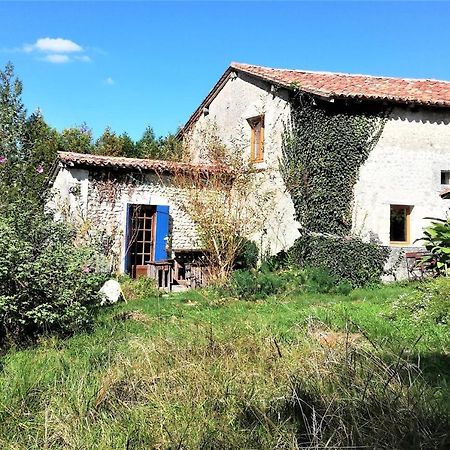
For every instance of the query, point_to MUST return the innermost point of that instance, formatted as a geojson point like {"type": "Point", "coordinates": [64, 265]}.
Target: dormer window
{"type": "Point", "coordinates": [256, 138]}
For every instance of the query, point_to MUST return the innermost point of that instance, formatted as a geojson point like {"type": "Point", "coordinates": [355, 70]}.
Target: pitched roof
{"type": "Point", "coordinates": [330, 85]}
{"type": "Point", "coordinates": [72, 159]}
{"type": "Point", "coordinates": [343, 85]}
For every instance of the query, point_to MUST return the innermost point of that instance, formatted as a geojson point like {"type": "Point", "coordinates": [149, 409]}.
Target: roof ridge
{"type": "Point", "coordinates": [242, 66]}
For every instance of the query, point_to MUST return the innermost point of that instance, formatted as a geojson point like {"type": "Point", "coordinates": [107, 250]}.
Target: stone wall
{"type": "Point", "coordinates": [404, 169]}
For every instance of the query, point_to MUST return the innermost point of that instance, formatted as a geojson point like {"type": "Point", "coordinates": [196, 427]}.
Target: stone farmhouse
{"type": "Point", "coordinates": [405, 178]}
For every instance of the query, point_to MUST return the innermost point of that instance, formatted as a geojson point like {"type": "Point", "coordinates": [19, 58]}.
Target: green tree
{"type": "Point", "coordinates": [128, 146]}
{"type": "Point", "coordinates": [109, 144]}
{"type": "Point", "coordinates": [41, 143]}
{"type": "Point", "coordinates": [149, 145]}
{"type": "Point", "coordinates": [171, 148]}
{"type": "Point", "coordinates": [46, 282]}
{"type": "Point", "coordinates": [12, 116]}
{"type": "Point", "coordinates": [17, 143]}
{"type": "Point", "coordinates": [77, 139]}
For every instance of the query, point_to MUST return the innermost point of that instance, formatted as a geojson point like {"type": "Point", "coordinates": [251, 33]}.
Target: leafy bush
{"type": "Point", "coordinates": [138, 289]}
{"type": "Point", "coordinates": [430, 302]}
{"type": "Point", "coordinates": [247, 257]}
{"type": "Point", "coordinates": [321, 281]}
{"type": "Point", "coordinates": [280, 261]}
{"type": "Point", "coordinates": [437, 241]}
{"type": "Point", "coordinates": [253, 284]}
{"type": "Point", "coordinates": [349, 259]}
{"type": "Point", "coordinates": [46, 284]}
{"type": "Point", "coordinates": [259, 284]}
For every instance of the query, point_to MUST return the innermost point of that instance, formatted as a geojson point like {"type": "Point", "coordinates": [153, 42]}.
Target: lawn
{"type": "Point", "coordinates": [194, 370]}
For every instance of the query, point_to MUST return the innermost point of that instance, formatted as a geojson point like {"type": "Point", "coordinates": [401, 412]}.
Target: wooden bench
{"type": "Point", "coordinates": [190, 268]}
{"type": "Point", "coordinates": [416, 266]}
{"type": "Point", "coordinates": [161, 271]}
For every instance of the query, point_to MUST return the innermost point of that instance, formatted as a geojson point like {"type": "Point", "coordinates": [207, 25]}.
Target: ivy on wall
{"type": "Point", "coordinates": [352, 259]}
{"type": "Point", "coordinates": [324, 147]}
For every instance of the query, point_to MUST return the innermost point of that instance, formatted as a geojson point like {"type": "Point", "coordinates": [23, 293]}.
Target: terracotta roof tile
{"type": "Point", "coordinates": [115, 162]}
{"type": "Point", "coordinates": [338, 85]}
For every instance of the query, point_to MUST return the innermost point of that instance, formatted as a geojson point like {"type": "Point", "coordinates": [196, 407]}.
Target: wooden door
{"type": "Point", "coordinates": [142, 243]}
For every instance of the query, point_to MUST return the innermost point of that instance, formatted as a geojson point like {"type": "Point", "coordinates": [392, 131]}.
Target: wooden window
{"type": "Point", "coordinates": [400, 224]}
{"type": "Point", "coordinates": [445, 176]}
{"type": "Point", "coordinates": [257, 139]}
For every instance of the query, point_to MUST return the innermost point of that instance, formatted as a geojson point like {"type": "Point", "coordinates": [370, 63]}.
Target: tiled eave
{"type": "Point", "coordinates": [71, 159]}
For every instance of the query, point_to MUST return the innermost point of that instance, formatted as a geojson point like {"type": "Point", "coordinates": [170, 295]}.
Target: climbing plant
{"type": "Point", "coordinates": [324, 146]}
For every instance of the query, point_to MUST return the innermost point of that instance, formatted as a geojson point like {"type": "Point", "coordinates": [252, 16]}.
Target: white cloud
{"type": "Point", "coordinates": [83, 58]}
{"type": "Point", "coordinates": [57, 50]}
{"type": "Point", "coordinates": [53, 45]}
{"type": "Point", "coordinates": [56, 58]}
{"type": "Point", "coordinates": [109, 81]}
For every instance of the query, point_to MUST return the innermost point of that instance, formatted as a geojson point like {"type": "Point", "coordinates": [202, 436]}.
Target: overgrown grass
{"type": "Point", "coordinates": [193, 370]}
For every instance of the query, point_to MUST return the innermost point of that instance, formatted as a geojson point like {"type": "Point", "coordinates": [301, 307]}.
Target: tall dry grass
{"type": "Point", "coordinates": [242, 390]}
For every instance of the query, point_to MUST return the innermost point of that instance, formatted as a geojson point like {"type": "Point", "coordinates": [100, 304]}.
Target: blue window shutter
{"type": "Point", "coordinates": [161, 232]}
{"type": "Point", "coordinates": [128, 226]}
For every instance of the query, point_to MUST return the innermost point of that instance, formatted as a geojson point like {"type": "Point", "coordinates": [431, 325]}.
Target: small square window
{"type": "Point", "coordinates": [399, 224]}
{"type": "Point", "coordinates": [256, 138]}
{"type": "Point", "coordinates": [445, 176]}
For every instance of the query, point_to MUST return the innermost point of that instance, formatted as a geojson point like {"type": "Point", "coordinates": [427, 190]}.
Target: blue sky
{"type": "Point", "coordinates": [129, 65]}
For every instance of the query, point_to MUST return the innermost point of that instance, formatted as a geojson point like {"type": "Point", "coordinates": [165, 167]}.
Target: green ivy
{"type": "Point", "coordinates": [346, 258]}
{"type": "Point", "coordinates": [323, 150]}
{"type": "Point", "coordinates": [324, 147]}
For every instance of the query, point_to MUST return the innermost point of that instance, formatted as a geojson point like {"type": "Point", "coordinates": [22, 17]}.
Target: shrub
{"type": "Point", "coordinates": [252, 284]}
{"type": "Point", "coordinates": [247, 257]}
{"type": "Point", "coordinates": [347, 259]}
{"type": "Point", "coordinates": [259, 284]}
{"type": "Point", "coordinates": [437, 241]}
{"type": "Point", "coordinates": [279, 261]}
{"type": "Point", "coordinates": [321, 281]}
{"type": "Point", "coordinates": [46, 284]}
{"type": "Point", "coordinates": [138, 289]}
{"type": "Point", "coordinates": [429, 302]}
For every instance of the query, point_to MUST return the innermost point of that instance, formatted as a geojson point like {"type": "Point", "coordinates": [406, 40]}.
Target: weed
{"type": "Point", "coordinates": [137, 289]}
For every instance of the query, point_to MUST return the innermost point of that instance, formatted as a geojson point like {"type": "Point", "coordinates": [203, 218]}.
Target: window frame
{"type": "Point", "coordinates": [408, 209]}
{"type": "Point", "coordinates": [254, 122]}
{"type": "Point", "coordinates": [444, 174]}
